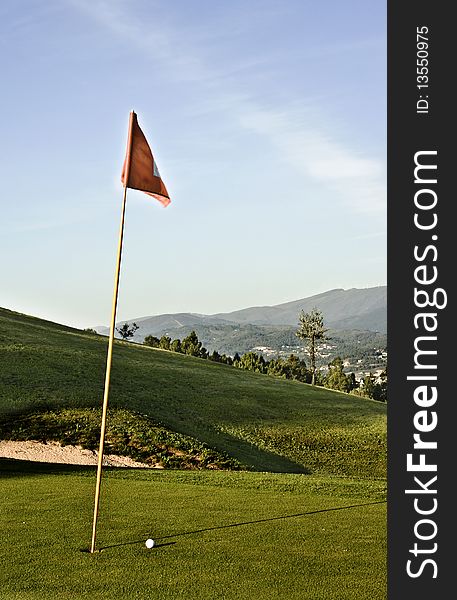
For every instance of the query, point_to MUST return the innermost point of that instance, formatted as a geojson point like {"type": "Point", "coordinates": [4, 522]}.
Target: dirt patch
{"type": "Point", "coordinates": [53, 452]}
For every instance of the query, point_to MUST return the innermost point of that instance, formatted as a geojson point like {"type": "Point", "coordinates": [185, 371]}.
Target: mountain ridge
{"type": "Point", "coordinates": [343, 309]}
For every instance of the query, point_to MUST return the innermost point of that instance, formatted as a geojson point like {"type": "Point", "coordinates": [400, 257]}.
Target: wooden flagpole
{"type": "Point", "coordinates": [111, 341]}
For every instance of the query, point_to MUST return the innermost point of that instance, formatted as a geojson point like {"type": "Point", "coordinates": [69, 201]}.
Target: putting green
{"type": "Point", "coordinates": [219, 535]}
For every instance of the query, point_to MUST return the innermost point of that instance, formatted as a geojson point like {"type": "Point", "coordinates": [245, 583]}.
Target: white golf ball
{"type": "Point", "coordinates": [150, 543]}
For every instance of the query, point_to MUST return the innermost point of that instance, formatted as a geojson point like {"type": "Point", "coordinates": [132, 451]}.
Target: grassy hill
{"type": "Point", "coordinates": [316, 530]}
{"type": "Point", "coordinates": [49, 371]}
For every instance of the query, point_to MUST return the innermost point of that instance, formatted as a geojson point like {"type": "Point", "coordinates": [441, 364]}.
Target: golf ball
{"type": "Point", "coordinates": [150, 543]}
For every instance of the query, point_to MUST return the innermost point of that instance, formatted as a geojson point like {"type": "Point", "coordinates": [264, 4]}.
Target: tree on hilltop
{"type": "Point", "coordinates": [215, 356]}
{"type": "Point", "coordinates": [336, 378]}
{"type": "Point", "coordinates": [251, 361]}
{"type": "Point", "coordinates": [311, 328]}
{"type": "Point", "coordinates": [127, 331]}
{"type": "Point", "coordinates": [165, 342]}
{"type": "Point", "coordinates": [90, 330]}
{"type": "Point", "coordinates": [191, 345]}
{"type": "Point", "coordinates": [175, 346]}
{"type": "Point", "coordinates": [151, 340]}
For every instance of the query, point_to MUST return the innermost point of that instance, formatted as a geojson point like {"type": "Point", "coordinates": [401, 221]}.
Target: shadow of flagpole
{"type": "Point", "coordinates": [232, 525]}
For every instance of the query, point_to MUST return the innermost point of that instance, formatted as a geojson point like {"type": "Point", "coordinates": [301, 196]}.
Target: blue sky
{"type": "Point", "coordinates": [268, 123]}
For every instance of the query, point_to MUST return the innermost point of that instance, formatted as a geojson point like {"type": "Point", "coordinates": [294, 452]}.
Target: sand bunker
{"type": "Point", "coordinates": [53, 452]}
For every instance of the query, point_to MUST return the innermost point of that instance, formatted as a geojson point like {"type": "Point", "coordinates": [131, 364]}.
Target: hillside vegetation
{"type": "Point", "coordinates": [279, 340]}
{"type": "Point", "coordinates": [210, 414]}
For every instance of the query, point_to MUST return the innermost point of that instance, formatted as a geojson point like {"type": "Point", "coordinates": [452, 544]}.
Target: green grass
{"type": "Point", "coordinates": [266, 424]}
{"type": "Point", "coordinates": [220, 535]}
{"type": "Point", "coordinates": [308, 525]}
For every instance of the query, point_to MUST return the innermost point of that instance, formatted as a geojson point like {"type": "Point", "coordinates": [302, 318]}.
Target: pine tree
{"type": "Point", "coordinates": [311, 328]}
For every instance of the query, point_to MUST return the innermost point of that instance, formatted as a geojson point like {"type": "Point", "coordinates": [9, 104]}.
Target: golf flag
{"type": "Point", "coordinates": [140, 173]}
{"type": "Point", "coordinates": [140, 170]}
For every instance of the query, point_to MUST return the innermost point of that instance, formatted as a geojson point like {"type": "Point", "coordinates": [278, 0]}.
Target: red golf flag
{"type": "Point", "coordinates": [140, 170]}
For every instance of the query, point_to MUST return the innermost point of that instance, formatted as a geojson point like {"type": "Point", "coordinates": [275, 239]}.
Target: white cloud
{"type": "Point", "coordinates": [303, 138]}
{"type": "Point", "coordinates": [358, 180]}
{"type": "Point", "coordinates": [159, 42]}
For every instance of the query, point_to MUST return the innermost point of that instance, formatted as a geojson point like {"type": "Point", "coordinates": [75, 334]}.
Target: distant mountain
{"type": "Point", "coordinates": [362, 309]}
{"type": "Point", "coordinates": [342, 309]}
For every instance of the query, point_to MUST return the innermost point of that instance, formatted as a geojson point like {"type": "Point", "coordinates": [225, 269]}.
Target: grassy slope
{"type": "Point", "coordinates": [265, 423]}
{"type": "Point", "coordinates": [220, 535]}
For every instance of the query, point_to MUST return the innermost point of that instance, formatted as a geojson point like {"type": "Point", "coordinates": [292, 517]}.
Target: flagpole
{"type": "Point", "coordinates": [111, 342]}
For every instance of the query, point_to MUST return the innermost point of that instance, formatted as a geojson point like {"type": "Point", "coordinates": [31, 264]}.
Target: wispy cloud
{"type": "Point", "coordinates": [358, 180]}
{"type": "Point", "coordinates": [307, 144]}
{"type": "Point", "coordinates": [370, 235]}
{"type": "Point", "coordinates": [32, 225]}
{"type": "Point", "coordinates": [160, 42]}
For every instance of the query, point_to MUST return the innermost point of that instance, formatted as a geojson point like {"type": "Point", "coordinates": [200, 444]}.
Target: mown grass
{"type": "Point", "coordinates": [220, 535]}
{"type": "Point", "coordinates": [315, 530]}
{"type": "Point", "coordinates": [264, 423]}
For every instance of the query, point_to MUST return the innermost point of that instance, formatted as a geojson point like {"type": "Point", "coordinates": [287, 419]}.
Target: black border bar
{"type": "Point", "coordinates": [425, 517]}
